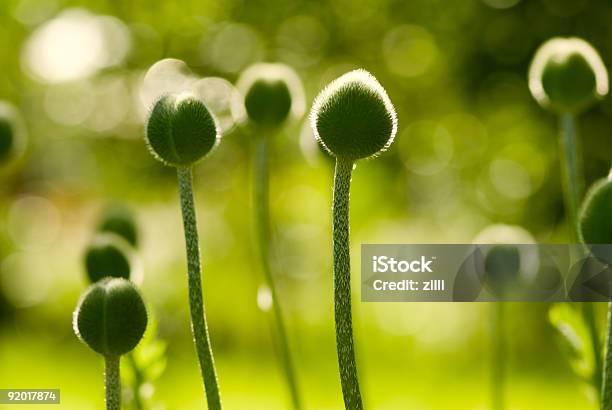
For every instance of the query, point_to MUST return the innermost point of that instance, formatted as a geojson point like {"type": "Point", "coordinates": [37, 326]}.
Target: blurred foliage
{"type": "Point", "coordinates": [576, 341]}
{"type": "Point", "coordinates": [142, 368]}
{"type": "Point", "coordinates": [473, 149]}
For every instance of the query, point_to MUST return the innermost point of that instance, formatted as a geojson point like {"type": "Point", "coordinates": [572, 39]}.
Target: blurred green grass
{"type": "Point", "coordinates": [253, 382]}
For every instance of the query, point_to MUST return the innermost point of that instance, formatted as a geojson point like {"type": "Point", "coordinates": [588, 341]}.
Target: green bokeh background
{"type": "Point", "coordinates": [473, 149]}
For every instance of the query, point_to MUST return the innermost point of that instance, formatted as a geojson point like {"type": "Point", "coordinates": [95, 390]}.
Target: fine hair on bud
{"type": "Point", "coordinates": [111, 317]}
{"type": "Point", "coordinates": [12, 133]}
{"type": "Point", "coordinates": [272, 93]}
{"type": "Point", "coordinates": [180, 130]}
{"type": "Point", "coordinates": [353, 117]}
{"type": "Point", "coordinates": [120, 220]}
{"type": "Point", "coordinates": [108, 255]}
{"type": "Point", "coordinates": [567, 75]}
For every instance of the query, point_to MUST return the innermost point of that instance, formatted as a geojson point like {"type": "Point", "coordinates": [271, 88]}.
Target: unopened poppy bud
{"type": "Point", "coordinates": [111, 317]}
{"type": "Point", "coordinates": [180, 130]}
{"type": "Point", "coordinates": [567, 75]}
{"type": "Point", "coordinates": [272, 92]}
{"type": "Point", "coordinates": [353, 117]}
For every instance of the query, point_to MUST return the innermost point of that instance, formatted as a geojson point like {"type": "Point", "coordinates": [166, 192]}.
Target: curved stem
{"type": "Point", "coordinates": [498, 362]}
{"type": "Point", "coordinates": [606, 397]}
{"type": "Point", "coordinates": [196, 304]}
{"type": "Point", "coordinates": [264, 237]}
{"type": "Point", "coordinates": [112, 383]}
{"type": "Point", "coordinates": [342, 287]}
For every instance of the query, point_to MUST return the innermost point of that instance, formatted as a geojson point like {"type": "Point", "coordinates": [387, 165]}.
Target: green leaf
{"type": "Point", "coordinates": [571, 325]}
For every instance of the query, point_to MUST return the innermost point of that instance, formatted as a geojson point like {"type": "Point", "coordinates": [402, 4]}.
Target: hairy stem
{"type": "Point", "coordinates": [498, 358]}
{"type": "Point", "coordinates": [264, 238]}
{"type": "Point", "coordinates": [112, 383]}
{"type": "Point", "coordinates": [606, 396]}
{"type": "Point", "coordinates": [196, 304]}
{"type": "Point", "coordinates": [342, 287]}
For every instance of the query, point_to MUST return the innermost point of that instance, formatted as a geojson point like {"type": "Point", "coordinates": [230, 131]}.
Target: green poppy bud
{"type": "Point", "coordinates": [353, 117]}
{"type": "Point", "coordinates": [595, 219]}
{"type": "Point", "coordinates": [12, 133]}
{"type": "Point", "coordinates": [111, 317]}
{"type": "Point", "coordinates": [271, 93]}
{"type": "Point", "coordinates": [108, 255]}
{"type": "Point", "coordinates": [180, 130]}
{"type": "Point", "coordinates": [120, 220]}
{"type": "Point", "coordinates": [567, 75]}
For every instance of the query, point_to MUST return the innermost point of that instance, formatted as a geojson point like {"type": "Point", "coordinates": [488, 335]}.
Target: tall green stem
{"type": "Point", "coordinates": [571, 170]}
{"type": "Point", "coordinates": [342, 287]}
{"type": "Point", "coordinates": [498, 356]}
{"type": "Point", "coordinates": [606, 398]}
{"type": "Point", "coordinates": [196, 304]}
{"type": "Point", "coordinates": [112, 383]}
{"type": "Point", "coordinates": [573, 189]}
{"type": "Point", "coordinates": [262, 226]}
